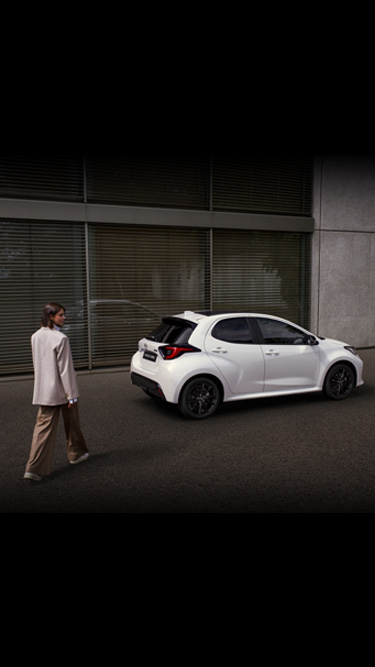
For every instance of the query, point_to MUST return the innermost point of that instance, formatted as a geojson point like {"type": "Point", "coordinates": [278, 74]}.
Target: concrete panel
{"type": "Point", "coordinates": [348, 193]}
{"type": "Point", "coordinates": [347, 287]}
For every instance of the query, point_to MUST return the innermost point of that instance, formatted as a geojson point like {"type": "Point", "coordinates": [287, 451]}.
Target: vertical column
{"type": "Point", "coordinates": [88, 294]}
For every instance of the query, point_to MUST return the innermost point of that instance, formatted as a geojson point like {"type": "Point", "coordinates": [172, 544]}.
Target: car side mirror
{"type": "Point", "coordinates": [311, 340]}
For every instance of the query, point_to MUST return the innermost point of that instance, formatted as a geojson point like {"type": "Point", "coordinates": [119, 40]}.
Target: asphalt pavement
{"type": "Point", "coordinates": [301, 454]}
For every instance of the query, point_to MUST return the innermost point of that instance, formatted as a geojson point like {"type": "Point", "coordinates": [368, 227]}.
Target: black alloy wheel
{"type": "Point", "coordinates": [200, 398]}
{"type": "Point", "coordinates": [339, 382]}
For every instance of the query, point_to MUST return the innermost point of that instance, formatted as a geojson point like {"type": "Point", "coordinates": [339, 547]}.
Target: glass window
{"type": "Point", "coordinates": [138, 276]}
{"type": "Point", "coordinates": [262, 272]}
{"type": "Point", "coordinates": [236, 330]}
{"type": "Point", "coordinates": [172, 333]}
{"type": "Point", "coordinates": [281, 333]}
{"type": "Point", "coordinates": [264, 183]}
{"type": "Point", "coordinates": [141, 180]}
{"type": "Point", "coordinates": [58, 177]}
{"type": "Point", "coordinates": [40, 262]}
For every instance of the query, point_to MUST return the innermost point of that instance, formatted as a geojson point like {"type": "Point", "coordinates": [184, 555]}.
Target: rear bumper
{"type": "Point", "coordinates": [147, 385]}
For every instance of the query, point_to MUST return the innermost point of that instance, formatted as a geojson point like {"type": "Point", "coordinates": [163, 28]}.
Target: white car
{"type": "Point", "coordinates": [199, 360]}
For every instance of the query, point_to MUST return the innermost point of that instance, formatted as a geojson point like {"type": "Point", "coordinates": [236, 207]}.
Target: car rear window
{"type": "Point", "coordinates": [172, 332]}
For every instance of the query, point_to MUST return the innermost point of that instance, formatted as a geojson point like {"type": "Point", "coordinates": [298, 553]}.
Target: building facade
{"type": "Point", "coordinates": [343, 248]}
{"type": "Point", "coordinates": [121, 241]}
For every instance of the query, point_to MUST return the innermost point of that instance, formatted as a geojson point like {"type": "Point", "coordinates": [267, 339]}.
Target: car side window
{"type": "Point", "coordinates": [236, 330]}
{"type": "Point", "coordinates": [281, 333]}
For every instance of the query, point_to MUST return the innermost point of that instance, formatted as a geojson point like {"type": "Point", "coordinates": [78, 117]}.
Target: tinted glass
{"type": "Point", "coordinates": [172, 333]}
{"type": "Point", "coordinates": [235, 330]}
{"type": "Point", "coordinates": [281, 333]}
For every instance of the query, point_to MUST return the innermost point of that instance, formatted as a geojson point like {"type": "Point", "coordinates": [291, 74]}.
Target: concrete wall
{"type": "Point", "coordinates": [343, 253]}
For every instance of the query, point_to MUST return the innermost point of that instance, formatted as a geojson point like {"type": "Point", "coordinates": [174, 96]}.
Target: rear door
{"type": "Point", "coordinates": [231, 346]}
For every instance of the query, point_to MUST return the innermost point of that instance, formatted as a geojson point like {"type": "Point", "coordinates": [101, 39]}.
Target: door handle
{"type": "Point", "coordinates": [271, 353]}
{"type": "Point", "coordinates": [219, 350]}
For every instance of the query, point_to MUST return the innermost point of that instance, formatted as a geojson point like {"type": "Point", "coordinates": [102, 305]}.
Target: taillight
{"type": "Point", "coordinates": [169, 352]}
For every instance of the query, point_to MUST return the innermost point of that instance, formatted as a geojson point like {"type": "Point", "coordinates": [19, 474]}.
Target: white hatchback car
{"type": "Point", "coordinates": [198, 360]}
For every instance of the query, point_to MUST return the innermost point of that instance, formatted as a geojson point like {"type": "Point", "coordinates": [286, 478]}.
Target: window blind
{"type": "Point", "coordinates": [162, 181]}
{"type": "Point", "coordinates": [268, 184]}
{"type": "Point", "coordinates": [265, 184]}
{"type": "Point", "coordinates": [137, 276]}
{"type": "Point", "coordinates": [48, 177]}
{"type": "Point", "coordinates": [40, 262]}
{"type": "Point", "coordinates": [263, 272]}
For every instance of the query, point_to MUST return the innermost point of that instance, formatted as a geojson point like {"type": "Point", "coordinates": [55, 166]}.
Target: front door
{"type": "Point", "coordinates": [290, 362]}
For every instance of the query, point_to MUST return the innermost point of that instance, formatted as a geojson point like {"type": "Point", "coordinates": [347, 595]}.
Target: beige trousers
{"type": "Point", "coordinates": [42, 446]}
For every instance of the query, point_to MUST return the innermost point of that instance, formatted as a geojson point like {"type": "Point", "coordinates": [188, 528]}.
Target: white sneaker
{"type": "Point", "coordinates": [33, 476]}
{"type": "Point", "coordinates": [84, 457]}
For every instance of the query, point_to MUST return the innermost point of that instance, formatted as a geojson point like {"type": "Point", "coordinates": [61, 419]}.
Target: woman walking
{"type": "Point", "coordinates": [55, 389]}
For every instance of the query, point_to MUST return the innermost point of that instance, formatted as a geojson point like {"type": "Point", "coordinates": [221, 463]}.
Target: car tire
{"type": "Point", "coordinates": [340, 382]}
{"type": "Point", "coordinates": [200, 398]}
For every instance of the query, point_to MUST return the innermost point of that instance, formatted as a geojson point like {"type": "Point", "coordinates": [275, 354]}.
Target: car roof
{"type": "Point", "coordinates": [196, 317]}
{"type": "Point", "coordinates": [208, 317]}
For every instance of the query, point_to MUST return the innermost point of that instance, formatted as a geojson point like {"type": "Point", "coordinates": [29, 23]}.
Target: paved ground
{"type": "Point", "coordinates": [303, 454]}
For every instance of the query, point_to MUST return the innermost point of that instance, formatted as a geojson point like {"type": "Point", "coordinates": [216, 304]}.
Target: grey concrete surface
{"type": "Point", "coordinates": [343, 249]}
{"type": "Point", "coordinates": [288, 455]}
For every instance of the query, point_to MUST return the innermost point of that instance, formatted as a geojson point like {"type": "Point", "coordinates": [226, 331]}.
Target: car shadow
{"type": "Point", "coordinates": [171, 411]}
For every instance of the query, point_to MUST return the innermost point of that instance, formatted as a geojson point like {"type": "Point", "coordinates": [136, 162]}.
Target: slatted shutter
{"type": "Point", "coordinates": [267, 184]}
{"type": "Point", "coordinates": [40, 262]}
{"type": "Point", "coordinates": [58, 178]}
{"type": "Point", "coordinates": [137, 276]}
{"type": "Point", "coordinates": [163, 181]}
{"type": "Point", "coordinates": [262, 184]}
{"type": "Point", "coordinates": [139, 273]}
{"type": "Point", "coordinates": [264, 272]}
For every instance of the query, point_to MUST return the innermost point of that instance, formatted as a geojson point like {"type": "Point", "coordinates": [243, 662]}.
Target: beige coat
{"type": "Point", "coordinates": [55, 378]}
